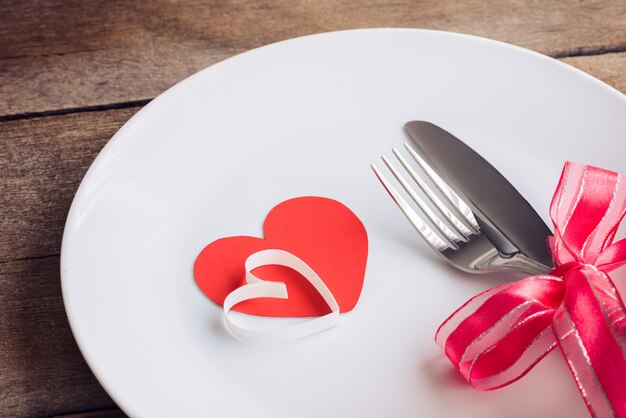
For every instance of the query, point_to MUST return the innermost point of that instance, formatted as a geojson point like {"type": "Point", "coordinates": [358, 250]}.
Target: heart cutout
{"type": "Point", "coordinates": [323, 232]}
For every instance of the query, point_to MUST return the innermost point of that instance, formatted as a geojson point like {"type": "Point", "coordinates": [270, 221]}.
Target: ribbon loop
{"type": "Point", "coordinates": [259, 288]}
{"type": "Point", "coordinates": [499, 335]}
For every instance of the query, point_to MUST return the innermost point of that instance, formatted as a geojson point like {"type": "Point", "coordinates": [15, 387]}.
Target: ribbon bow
{"type": "Point", "coordinates": [499, 335]}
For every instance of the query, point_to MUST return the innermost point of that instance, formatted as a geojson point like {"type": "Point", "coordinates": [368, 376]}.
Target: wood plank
{"type": "Point", "coordinates": [41, 165]}
{"type": "Point", "coordinates": [610, 68]}
{"type": "Point", "coordinates": [42, 372]}
{"type": "Point", "coordinates": [120, 52]}
{"type": "Point", "coordinates": [109, 413]}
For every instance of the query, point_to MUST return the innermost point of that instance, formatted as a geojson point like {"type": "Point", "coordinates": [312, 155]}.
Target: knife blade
{"type": "Point", "coordinates": [504, 215]}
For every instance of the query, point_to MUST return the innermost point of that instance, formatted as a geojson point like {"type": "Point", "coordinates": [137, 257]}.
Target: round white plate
{"type": "Point", "coordinates": [212, 155]}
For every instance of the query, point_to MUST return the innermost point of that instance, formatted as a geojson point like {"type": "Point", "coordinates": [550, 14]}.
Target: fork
{"type": "Point", "coordinates": [453, 232]}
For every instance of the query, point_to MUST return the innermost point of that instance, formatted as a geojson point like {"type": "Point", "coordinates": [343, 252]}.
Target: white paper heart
{"type": "Point", "coordinates": [258, 288]}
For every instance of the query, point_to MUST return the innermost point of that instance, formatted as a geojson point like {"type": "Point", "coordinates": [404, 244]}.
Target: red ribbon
{"type": "Point", "coordinates": [499, 335]}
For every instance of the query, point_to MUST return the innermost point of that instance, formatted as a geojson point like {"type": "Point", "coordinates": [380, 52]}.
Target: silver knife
{"type": "Point", "coordinates": [505, 217]}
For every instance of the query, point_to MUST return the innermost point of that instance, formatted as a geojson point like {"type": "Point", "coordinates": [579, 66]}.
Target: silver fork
{"type": "Point", "coordinates": [453, 232]}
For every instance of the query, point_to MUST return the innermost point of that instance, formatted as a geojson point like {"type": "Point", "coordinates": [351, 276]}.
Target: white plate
{"type": "Point", "coordinates": [213, 154]}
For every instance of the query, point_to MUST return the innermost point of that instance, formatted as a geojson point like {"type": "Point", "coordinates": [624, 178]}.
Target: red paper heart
{"type": "Point", "coordinates": [323, 232]}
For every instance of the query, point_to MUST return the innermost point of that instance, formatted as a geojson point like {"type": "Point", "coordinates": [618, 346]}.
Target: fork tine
{"type": "Point", "coordinates": [454, 199]}
{"type": "Point", "coordinates": [429, 235]}
{"type": "Point", "coordinates": [447, 233]}
{"type": "Point", "coordinates": [457, 225]}
{"type": "Point", "coordinates": [420, 226]}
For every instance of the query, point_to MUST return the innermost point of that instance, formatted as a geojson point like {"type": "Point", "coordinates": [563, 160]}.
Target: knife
{"type": "Point", "coordinates": [505, 217]}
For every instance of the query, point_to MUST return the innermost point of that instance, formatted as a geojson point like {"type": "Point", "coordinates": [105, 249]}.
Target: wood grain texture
{"type": "Point", "coordinates": [42, 372]}
{"type": "Point", "coordinates": [41, 165]}
{"type": "Point", "coordinates": [119, 51]}
{"type": "Point", "coordinates": [109, 413]}
{"type": "Point", "coordinates": [610, 68]}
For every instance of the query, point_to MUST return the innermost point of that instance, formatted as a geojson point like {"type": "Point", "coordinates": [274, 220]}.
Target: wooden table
{"type": "Point", "coordinates": [72, 72]}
